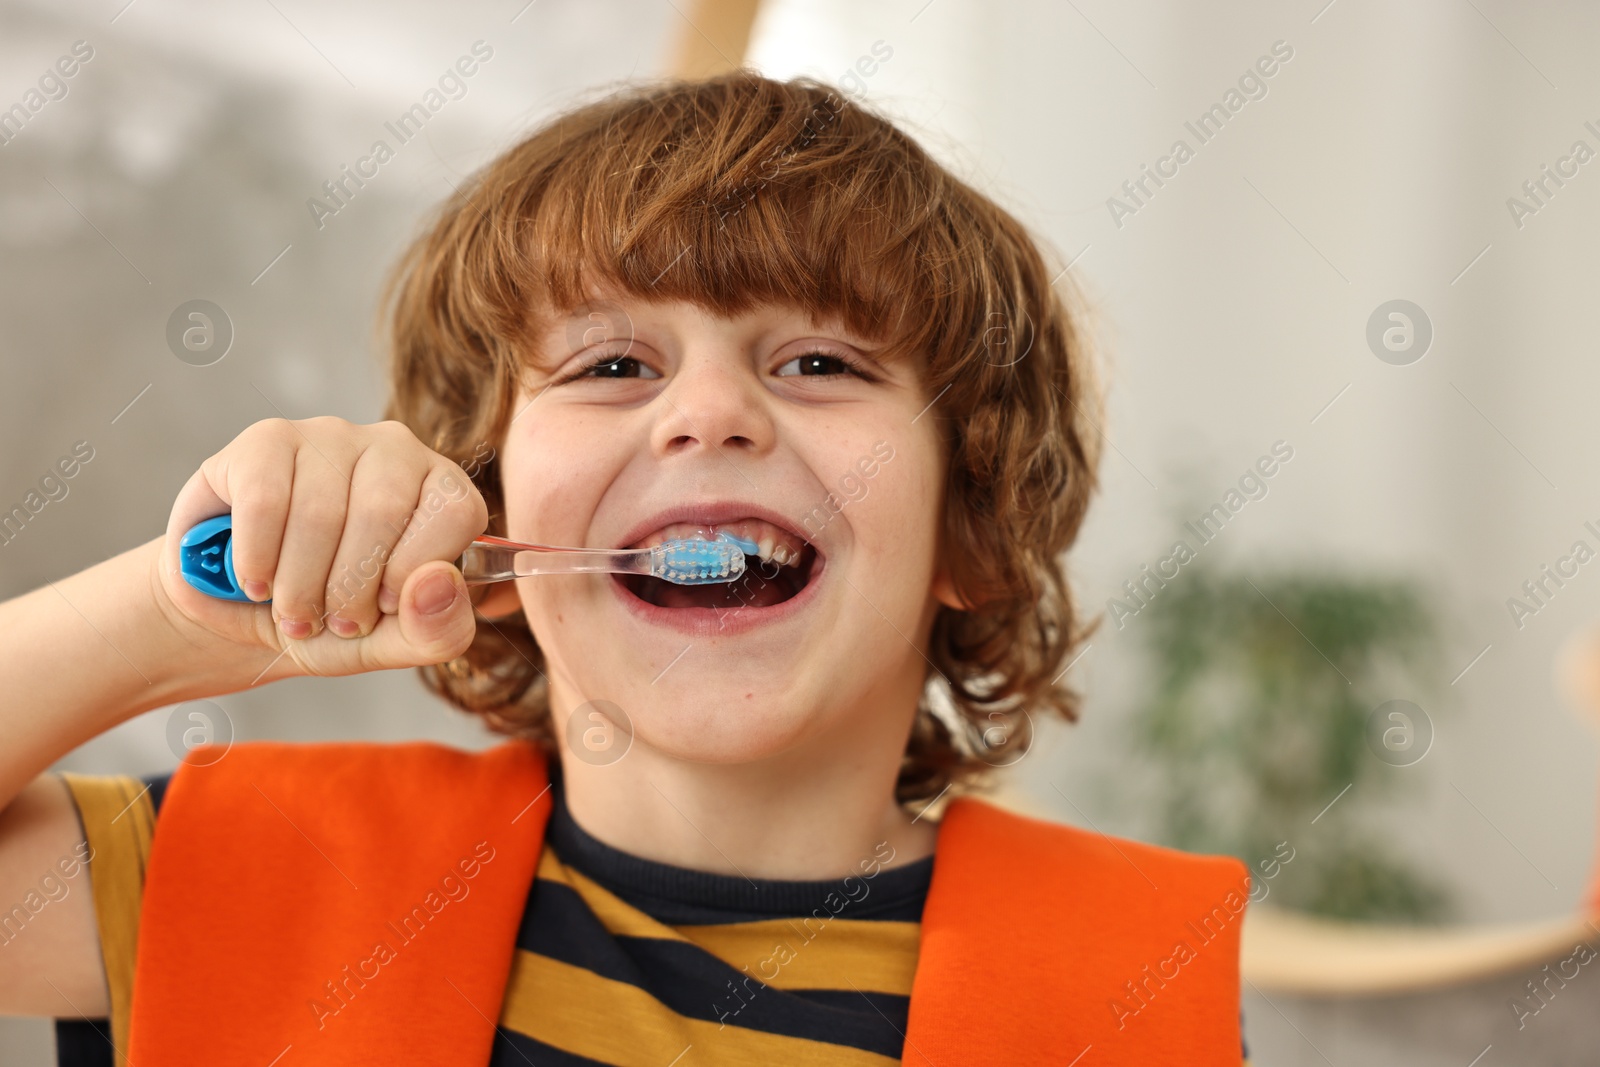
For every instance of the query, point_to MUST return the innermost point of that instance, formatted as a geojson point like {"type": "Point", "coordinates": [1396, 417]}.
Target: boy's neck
{"type": "Point", "coordinates": [823, 810]}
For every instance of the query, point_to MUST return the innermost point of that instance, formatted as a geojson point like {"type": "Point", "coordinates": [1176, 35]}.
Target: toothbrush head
{"type": "Point", "coordinates": [687, 562]}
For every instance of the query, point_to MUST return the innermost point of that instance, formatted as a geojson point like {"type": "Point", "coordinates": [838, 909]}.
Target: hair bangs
{"type": "Point", "coordinates": [798, 205]}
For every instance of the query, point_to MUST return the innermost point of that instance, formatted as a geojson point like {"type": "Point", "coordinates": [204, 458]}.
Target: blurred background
{"type": "Point", "coordinates": [1370, 268]}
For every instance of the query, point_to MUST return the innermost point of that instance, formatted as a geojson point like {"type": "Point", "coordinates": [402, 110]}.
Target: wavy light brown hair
{"type": "Point", "coordinates": [739, 191]}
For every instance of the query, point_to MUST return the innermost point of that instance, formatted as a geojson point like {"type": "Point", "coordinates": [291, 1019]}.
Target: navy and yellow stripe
{"type": "Point", "coordinates": [768, 971]}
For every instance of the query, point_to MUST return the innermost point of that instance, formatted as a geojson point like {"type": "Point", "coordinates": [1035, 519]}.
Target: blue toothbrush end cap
{"type": "Point", "coordinates": [205, 557]}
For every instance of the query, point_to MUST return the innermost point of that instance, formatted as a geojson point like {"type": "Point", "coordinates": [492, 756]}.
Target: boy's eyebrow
{"type": "Point", "coordinates": [888, 350]}
{"type": "Point", "coordinates": [576, 327]}
{"type": "Point", "coordinates": [836, 327]}
{"type": "Point", "coordinates": [596, 321]}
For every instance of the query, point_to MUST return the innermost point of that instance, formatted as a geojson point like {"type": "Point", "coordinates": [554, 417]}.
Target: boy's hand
{"type": "Point", "coordinates": [351, 531]}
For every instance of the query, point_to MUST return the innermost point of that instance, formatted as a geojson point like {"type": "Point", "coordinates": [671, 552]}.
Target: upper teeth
{"type": "Point", "coordinates": [775, 544]}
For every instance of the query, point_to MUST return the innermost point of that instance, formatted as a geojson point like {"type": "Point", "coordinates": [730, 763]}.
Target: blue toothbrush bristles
{"type": "Point", "coordinates": [687, 562]}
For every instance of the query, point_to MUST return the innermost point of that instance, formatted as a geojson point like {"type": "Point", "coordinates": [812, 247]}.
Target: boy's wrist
{"type": "Point", "coordinates": [171, 658]}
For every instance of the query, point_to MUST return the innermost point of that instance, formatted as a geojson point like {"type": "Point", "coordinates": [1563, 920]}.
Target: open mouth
{"type": "Point", "coordinates": [783, 566]}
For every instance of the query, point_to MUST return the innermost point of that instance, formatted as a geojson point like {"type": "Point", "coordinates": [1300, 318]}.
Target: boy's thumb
{"type": "Point", "coordinates": [436, 613]}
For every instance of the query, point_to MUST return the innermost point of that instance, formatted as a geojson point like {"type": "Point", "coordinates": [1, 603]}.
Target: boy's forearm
{"type": "Point", "coordinates": [84, 653]}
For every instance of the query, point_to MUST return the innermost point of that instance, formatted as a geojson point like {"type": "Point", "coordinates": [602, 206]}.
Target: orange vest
{"type": "Point", "coordinates": [275, 870]}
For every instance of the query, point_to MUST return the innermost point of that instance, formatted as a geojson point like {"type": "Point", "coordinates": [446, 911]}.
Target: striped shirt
{"type": "Point", "coordinates": [620, 960]}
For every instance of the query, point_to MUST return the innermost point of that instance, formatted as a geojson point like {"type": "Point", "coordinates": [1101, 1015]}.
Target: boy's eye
{"type": "Point", "coordinates": [816, 365]}
{"type": "Point", "coordinates": [609, 366]}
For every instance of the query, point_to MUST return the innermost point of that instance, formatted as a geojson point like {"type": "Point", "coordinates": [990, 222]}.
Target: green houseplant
{"type": "Point", "coordinates": [1257, 718]}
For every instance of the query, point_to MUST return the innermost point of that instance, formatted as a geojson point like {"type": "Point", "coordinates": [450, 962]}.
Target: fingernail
{"type": "Point", "coordinates": [436, 595]}
{"type": "Point", "coordinates": [343, 626]}
{"type": "Point", "coordinates": [388, 601]}
{"type": "Point", "coordinates": [256, 590]}
{"type": "Point", "coordinates": [295, 629]}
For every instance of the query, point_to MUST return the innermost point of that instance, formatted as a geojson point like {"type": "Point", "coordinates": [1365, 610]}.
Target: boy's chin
{"type": "Point", "coordinates": [741, 725]}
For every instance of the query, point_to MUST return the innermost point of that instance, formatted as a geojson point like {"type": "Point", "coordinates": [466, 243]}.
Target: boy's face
{"type": "Point", "coordinates": [781, 430]}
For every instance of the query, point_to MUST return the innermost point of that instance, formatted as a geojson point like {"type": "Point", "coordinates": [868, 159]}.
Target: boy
{"type": "Point", "coordinates": [738, 305]}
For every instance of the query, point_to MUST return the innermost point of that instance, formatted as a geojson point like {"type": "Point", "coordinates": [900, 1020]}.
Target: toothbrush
{"type": "Point", "coordinates": [205, 557]}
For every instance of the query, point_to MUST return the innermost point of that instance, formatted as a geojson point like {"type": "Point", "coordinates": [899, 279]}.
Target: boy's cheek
{"type": "Point", "coordinates": [553, 474]}
{"type": "Point", "coordinates": [899, 507]}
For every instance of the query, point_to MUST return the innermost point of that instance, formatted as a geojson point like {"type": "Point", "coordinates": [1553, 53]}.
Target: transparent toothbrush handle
{"type": "Point", "coordinates": [494, 559]}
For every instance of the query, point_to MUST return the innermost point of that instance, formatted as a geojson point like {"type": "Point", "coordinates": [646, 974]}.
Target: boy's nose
{"type": "Point", "coordinates": [716, 405]}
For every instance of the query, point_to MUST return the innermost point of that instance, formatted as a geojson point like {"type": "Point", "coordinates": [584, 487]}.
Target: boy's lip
{"type": "Point", "coordinates": [712, 513]}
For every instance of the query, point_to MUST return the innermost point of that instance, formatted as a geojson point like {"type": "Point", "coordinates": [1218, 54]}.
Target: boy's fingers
{"type": "Point", "coordinates": [449, 514]}
{"type": "Point", "coordinates": [259, 494]}
{"type": "Point", "coordinates": [383, 496]}
{"type": "Point", "coordinates": [317, 504]}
